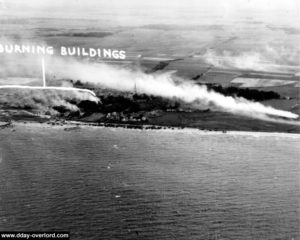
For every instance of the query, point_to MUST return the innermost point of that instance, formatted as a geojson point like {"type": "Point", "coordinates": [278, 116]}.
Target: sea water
{"type": "Point", "coordinates": [106, 183]}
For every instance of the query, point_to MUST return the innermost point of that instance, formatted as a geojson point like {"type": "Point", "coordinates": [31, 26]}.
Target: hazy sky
{"type": "Point", "coordinates": [274, 10]}
{"type": "Point", "coordinates": [265, 5]}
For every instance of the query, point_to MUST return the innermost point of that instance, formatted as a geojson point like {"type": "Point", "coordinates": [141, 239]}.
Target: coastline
{"type": "Point", "coordinates": [206, 122]}
{"type": "Point", "coordinates": [77, 125]}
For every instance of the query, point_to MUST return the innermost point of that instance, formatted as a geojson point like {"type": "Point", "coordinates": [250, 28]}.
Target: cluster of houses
{"type": "Point", "coordinates": [130, 117]}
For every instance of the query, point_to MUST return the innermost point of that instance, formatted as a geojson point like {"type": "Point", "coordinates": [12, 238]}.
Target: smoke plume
{"type": "Point", "coordinates": [126, 80]}
{"type": "Point", "coordinates": [41, 101]}
{"type": "Point", "coordinates": [164, 85]}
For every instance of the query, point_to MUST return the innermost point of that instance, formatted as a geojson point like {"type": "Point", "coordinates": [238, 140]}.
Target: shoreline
{"type": "Point", "coordinates": [77, 125]}
{"type": "Point", "coordinates": [204, 121]}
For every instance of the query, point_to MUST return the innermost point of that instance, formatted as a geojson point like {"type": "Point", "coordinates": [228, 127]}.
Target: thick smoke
{"type": "Point", "coordinates": [163, 85]}
{"type": "Point", "coordinates": [42, 101]}
{"type": "Point", "coordinates": [123, 79]}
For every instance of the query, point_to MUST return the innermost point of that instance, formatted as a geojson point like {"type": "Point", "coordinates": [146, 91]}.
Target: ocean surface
{"type": "Point", "coordinates": [105, 183]}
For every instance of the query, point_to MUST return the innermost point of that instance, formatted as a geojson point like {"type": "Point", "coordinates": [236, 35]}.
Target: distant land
{"type": "Point", "coordinates": [239, 64]}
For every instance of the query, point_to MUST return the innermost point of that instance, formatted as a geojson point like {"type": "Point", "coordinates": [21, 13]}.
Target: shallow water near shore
{"type": "Point", "coordinates": [107, 183]}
